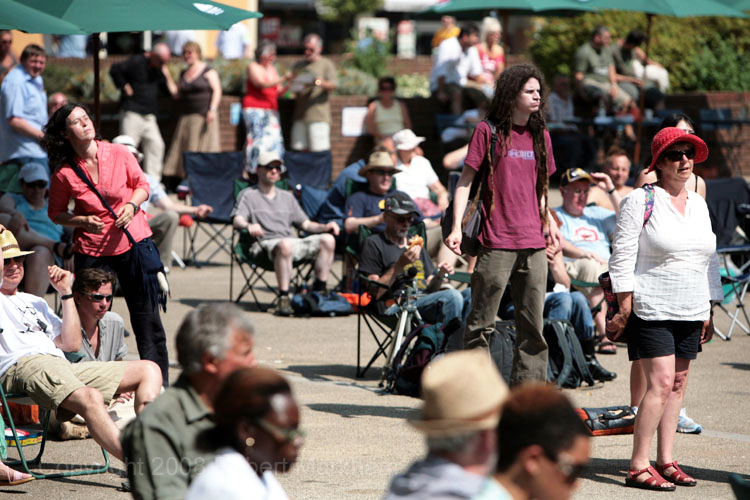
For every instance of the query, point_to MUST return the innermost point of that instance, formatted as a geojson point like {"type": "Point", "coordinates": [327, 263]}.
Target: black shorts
{"type": "Point", "coordinates": [653, 339]}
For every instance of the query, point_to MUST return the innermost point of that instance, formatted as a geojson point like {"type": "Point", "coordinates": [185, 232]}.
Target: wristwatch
{"type": "Point", "coordinates": [612, 190]}
{"type": "Point", "coordinates": [136, 208]}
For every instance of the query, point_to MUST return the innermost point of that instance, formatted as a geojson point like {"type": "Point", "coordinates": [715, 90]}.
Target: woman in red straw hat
{"type": "Point", "coordinates": [665, 273]}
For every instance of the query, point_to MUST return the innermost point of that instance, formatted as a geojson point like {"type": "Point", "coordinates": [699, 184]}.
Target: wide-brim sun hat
{"type": "Point", "coordinates": [378, 159]}
{"type": "Point", "coordinates": [462, 392]}
{"type": "Point", "coordinates": [673, 135]}
{"type": "Point", "coordinates": [10, 247]}
{"type": "Point", "coordinates": [406, 140]}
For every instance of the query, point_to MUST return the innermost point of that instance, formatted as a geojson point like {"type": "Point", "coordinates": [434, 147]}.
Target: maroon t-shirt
{"type": "Point", "coordinates": [515, 223]}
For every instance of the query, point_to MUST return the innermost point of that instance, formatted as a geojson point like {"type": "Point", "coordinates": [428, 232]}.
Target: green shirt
{"type": "Point", "coordinates": [594, 63]}
{"type": "Point", "coordinates": [160, 445]}
{"type": "Point", "coordinates": [312, 105]}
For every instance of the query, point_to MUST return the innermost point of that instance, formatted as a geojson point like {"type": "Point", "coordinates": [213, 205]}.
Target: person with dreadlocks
{"type": "Point", "coordinates": [516, 222]}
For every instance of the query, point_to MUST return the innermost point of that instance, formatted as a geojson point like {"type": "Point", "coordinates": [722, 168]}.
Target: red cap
{"type": "Point", "coordinates": [672, 135]}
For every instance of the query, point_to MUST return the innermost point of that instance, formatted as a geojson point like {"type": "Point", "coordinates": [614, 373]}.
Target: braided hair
{"type": "Point", "coordinates": [500, 113]}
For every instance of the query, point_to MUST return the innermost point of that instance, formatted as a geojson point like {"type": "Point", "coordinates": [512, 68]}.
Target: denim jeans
{"type": "Point", "coordinates": [441, 306]}
{"type": "Point", "coordinates": [574, 307]}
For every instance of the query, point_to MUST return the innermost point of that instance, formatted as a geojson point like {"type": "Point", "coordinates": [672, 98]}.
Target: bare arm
{"type": "Point", "coordinates": [405, 115]}
{"type": "Point", "coordinates": [460, 199]}
{"type": "Point", "coordinates": [69, 339]}
{"type": "Point", "coordinates": [351, 224]}
{"type": "Point", "coordinates": [317, 227]}
{"type": "Point", "coordinates": [370, 121]}
{"type": "Point", "coordinates": [174, 91]}
{"type": "Point", "coordinates": [166, 203]}
{"type": "Point", "coordinates": [441, 193]}
{"type": "Point", "coordinates": [23, 127]}
{"type": "Point", "coordinates": [213, 81]}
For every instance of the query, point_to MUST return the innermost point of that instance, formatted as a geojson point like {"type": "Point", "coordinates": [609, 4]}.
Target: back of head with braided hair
{"type": "Point", "coordinates": [500, 114]}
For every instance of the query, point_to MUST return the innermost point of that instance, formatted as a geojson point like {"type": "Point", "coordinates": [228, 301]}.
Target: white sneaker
{"type": "Point", "coordinates": [687, 425]}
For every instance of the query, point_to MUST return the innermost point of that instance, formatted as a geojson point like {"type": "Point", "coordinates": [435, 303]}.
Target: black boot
{"type": "Point", "coordinates": [597, 371]}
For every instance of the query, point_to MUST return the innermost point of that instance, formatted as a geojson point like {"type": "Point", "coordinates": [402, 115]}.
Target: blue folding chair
{"type": "Point", "coordinates": [211, 179]}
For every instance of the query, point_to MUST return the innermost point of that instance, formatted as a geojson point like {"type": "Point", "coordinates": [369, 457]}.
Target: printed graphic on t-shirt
{"type": "Point", "coordinates": [419, 265]}
{"type": "Point", "coordinates": [521, 154]}
{"type": "Point", "coordinates": [587, 234]}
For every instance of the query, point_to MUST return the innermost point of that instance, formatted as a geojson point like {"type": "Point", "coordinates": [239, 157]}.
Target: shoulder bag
{"type": "Point", "coordinates": [471, 224]}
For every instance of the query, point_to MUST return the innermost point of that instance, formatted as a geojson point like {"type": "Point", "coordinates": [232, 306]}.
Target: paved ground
{"type": "Point", "coordinates": [357, 437]}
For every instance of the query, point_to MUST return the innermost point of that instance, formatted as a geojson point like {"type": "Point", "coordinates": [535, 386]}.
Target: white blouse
{"type": "Point", "coordinates": [670, 265]}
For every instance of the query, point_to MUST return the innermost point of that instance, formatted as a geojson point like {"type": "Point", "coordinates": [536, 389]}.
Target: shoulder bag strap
{"type": "Point", "coordinates": [649, 189]}
{"type": "Point", "coordinates": [481, 190]}
{"type": "Point", "coordinates": [77, 169]}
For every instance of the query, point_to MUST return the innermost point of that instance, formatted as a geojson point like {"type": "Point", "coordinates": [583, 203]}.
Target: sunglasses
{"type": "Point", "coordinates": [37, 185]}
{"type": "Point", "coordinates": [568, 468]}
{"type": "Point", "coordinates": [18, 260]}
{"type": "Point", "coordinates": [676, 155]}
{"type": "Point", "coordinates": [280, 434]}
{"type": "Point", "coordinates": [272, 167]}
{"type": "Point", "coordinates": [402, 219]}
{"type": "Point", "coordinates": [98, 297]}
{"type": "Point", "coordinates": [380, 171]}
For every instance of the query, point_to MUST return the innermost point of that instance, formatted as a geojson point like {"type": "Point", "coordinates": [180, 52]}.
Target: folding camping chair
{"type": "Point", "coordinates": [735, 287]}
{"type": "Point", "coordinates": [308, 168]}
{"type": "Point", "coordinates": [211, 179]}
{"type": "Point", "coordinates": [25, 464]}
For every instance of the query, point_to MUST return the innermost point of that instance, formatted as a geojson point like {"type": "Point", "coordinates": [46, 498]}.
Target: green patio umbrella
{"type": "Point", "coordinates": [517, 6]}
{"type": "Point", "coordinates": [17, 16]}
{"type": "Point", "coordinates": [96, 16]}
{"type": "Point", "coordinates": [675, 8]}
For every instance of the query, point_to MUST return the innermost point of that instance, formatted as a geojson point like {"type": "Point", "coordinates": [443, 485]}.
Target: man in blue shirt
{"type": "Point", "coordinates": [587, 232]}
{"type": "Point", "coordinates": [23, 104]}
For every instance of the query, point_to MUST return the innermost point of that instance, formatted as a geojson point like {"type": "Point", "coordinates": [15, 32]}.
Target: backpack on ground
{"type": "Point", "coordinates": [423, 344]}
{"type": "Point", "coordinates": [315, 303]}
{"type": "Point", "coordinates": [567, 365]}
{"type": "Point", "coordinates": [608, 420]}
{"type": "Point", "coordinates": [502, 345]}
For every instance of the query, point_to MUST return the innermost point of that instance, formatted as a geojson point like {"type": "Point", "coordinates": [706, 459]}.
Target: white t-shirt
{"type": "Point", "coordinates": [230, 477]}
{"type": "Point", "coordinates": [29, 326]}
{"type": "Point", "coordinates": [415, 179]}
{"type": "Point", "coordinates": [455, 65]}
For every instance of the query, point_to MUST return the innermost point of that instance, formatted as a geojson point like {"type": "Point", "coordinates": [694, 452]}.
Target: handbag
{"type": "Point", "coordinates": [605, 282]}
{"type": "Point", "coordinates": [145, 262]}
{"type": "Point", "coordinates": [471, 224]}
{"type": "Point", "coordinates": [608, 421]}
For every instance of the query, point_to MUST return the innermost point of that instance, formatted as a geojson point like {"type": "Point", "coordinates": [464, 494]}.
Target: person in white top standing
{"type": "Point", "coordinates": [665, 274]}
{"type": "Point", "coordinates": [456, 61]}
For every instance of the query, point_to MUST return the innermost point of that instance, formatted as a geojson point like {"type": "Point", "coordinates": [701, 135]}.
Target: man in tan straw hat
{"type": "Point", "coordinates": [462, 393]}
{"type": "Point", "coordinates": [32, 359]}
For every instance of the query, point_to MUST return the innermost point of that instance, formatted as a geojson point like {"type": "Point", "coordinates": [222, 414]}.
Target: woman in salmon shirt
{"type": "Point", "coordinates": [99, 239]}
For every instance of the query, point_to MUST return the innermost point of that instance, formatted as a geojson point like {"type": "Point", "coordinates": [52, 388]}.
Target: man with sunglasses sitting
{"type": "Point", "coordinates": [386, 257]}
{"type": "Point", "coordinates": [268, 214]}
{"type": "Point", "coordinates": [32, 359]}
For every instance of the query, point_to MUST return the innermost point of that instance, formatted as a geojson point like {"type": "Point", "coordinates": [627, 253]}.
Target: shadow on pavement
{"type": "Point", "coordinates": [351, 411]}
{"type": "Point", "coordinates": [323, 372]}
{"type": "Point", "coordinates": [738, 366]}
{"type": "Point", "coordinates": [601, 470]}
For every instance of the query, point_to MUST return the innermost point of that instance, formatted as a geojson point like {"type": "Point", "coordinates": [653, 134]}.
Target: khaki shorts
{"type": "Point", "coordinates": [587, 270]}
{"type": "Point", "coordinates": [48, 379]}
{"type": "Point", "coordinates": [302, 248]}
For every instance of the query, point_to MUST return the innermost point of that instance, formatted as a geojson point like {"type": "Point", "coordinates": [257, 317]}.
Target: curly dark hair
{"type": "Point", "coordinates": [500, 114]}
{"type": "Point", "coordinates": [58, 147]}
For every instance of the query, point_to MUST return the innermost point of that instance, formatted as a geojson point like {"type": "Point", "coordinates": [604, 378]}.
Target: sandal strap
{"type": "Point", "coordinates": [655, 480]}
{"type": "Point", "coordinates": [678, 475]}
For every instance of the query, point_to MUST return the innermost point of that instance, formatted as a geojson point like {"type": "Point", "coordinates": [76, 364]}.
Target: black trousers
{"type": "Point", "coordinates": [144, 316]}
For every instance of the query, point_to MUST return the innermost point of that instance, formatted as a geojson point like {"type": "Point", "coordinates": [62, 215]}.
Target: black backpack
{"type": "Point", "coordinates": [502, 344]}
{"type": "Point", "coordinates": [423, 344]}
{"type": "Point", "coordinates": [567, 364]}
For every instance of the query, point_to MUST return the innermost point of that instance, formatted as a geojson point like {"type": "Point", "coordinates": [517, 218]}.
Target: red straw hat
{"type": "Point", "coordinates": [672, 135]}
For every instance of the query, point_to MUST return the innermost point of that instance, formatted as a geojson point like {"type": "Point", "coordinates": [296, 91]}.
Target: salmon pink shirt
{"type": "Point", "coordinates": [119, 176]}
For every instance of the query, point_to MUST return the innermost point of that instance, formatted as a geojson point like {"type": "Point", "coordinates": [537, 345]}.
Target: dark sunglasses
{"type": "Point", "coordinates": [98, 297]}
{"type": "Point", "coordinates": [568, 468]}
{"type": "Point", "coordinates": [380, 171]}
{"type": "Point", "coordinates": [37, 185]}
{"type": "Point", "coordinates": [17, 260]}
{"type": "Point", "coordinates": [403, 219]}
{"type": "Point", "coordinates": [676, 155]}
{"type": "Point", "coordinates": [272, 166]}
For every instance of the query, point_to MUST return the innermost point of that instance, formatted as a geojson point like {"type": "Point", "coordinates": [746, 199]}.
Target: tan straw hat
{"type": "Point", "coordinates": [378, 159]}
{"type": "Point", "coordinates": [10, 246]}
{"type": "Point", "coordinates": [462, 392]}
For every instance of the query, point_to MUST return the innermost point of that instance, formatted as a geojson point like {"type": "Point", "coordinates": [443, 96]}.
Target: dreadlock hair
{"type": "Point", "coordinates": [59, 150]}
{"type": "Point", "coordinates": [500, 114]}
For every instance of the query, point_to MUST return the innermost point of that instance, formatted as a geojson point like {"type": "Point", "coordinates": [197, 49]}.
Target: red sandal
{"type": "Point", "coordinates": [654, 483]}
{"type": "Point", "coordinates": [677, 477]}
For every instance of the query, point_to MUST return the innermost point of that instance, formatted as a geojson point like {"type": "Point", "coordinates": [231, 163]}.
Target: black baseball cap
{"type": "Point", "coordinates": [400, 203]}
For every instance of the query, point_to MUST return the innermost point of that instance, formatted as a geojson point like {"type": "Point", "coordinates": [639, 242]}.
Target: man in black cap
{"type": "Point", "coordinates": [389, 255]}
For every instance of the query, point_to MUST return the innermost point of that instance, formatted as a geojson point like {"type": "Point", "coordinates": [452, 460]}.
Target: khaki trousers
{"type": "Point", "coordinates": [145, 132]}
{"type": "Point", "coordinates": [526, 270]}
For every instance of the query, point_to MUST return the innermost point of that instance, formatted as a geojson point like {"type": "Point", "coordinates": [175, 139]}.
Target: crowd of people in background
{"type": "Point", "coordinates": [75, 203]}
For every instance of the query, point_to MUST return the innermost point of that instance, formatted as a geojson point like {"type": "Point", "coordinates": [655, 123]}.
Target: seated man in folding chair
{"type": "Point", "coordinates": [32, 360]}
{"type": "Point", "coordinates": [587, 233]}
{"type": "Point", "coordinates": [386, 256]}
{"type": "Point", "coordinates": [268, 214]}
